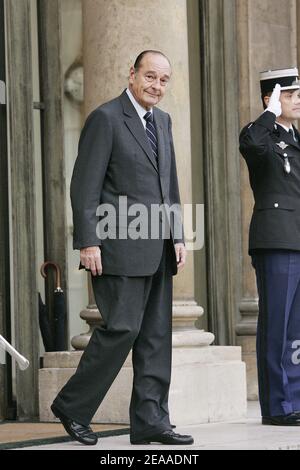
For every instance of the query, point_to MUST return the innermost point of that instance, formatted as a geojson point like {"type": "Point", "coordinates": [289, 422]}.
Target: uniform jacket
{"type": "Point", "coordinates": [115, 159]}
{"type": "Point", "coordinates": [269, 150]}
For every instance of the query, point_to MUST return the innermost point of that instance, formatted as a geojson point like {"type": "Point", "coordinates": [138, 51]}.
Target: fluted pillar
{"type": "Point", "coordinates": [114, 33]}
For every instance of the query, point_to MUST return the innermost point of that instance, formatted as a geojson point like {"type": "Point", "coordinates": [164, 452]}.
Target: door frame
{"type": "Point", "coordinates": [22, 202]}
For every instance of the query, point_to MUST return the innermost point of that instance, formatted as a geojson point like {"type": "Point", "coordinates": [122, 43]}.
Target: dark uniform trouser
{"type": "Point", "coordinates": [278, 334]}
{"type": "Point", "coordinates": [137, 312]}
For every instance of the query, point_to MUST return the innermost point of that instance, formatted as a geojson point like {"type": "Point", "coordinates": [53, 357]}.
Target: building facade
{"type": "Point", "coordinates": [59, 59]}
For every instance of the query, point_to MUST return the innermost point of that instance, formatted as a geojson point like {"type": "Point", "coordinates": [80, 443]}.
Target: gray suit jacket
{"type": "Point", "coordinates": [115, 159]}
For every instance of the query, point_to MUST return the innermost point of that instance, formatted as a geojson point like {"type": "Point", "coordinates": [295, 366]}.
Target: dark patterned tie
{"type": "Point", "coordinates": [151, 133]}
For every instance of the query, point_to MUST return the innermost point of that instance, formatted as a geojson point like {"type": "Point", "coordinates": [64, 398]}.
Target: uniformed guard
{"type": "Point", "coordinates": [271, 148]}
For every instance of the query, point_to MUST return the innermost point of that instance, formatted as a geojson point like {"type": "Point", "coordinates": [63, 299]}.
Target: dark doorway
{"type": "Point", "coordinates": [32, 213]}
{"type": "Point", "coordinates": [7, 408]}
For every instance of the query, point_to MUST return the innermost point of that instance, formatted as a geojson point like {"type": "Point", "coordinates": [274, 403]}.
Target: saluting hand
{"type": "Point", "coordinates": [90, 258]}
{"type": "Point", "coordinates": [274, 105]}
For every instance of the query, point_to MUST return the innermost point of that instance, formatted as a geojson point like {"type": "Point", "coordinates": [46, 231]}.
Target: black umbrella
{"type": "Point", "coordinates": [45, 326]}
{"type": "Point", "coordinates": [59, 307]}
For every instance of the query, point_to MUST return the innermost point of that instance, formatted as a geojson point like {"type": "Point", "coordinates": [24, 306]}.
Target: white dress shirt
{"type": "Point", "coordinates": [287, 129]}
{"type": "Point", "coordinates": [284, 127]}
{"type": "Point", "coordinates": [139, 109]}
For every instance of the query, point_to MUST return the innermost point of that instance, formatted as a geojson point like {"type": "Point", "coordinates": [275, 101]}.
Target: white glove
{"type": "Point", "coordinates": [274, 103]}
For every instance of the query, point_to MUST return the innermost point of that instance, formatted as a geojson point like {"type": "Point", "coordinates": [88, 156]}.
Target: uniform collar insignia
{"type": "Point", "coordinates": [282, 145]}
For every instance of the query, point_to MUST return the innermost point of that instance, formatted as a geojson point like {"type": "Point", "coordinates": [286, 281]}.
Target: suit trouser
{"type": "Point", "coordinates": [278, 331]}
{"type": "Point", "coordinates": [137, 312]}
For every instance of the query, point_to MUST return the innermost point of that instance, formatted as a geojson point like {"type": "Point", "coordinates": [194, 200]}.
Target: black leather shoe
{"type": "Point", "coordinates": [79, 432]}
{"type": "Point", "coordinates": [166, 437]}
{"type": "Point", "coordinates": [292, 419]}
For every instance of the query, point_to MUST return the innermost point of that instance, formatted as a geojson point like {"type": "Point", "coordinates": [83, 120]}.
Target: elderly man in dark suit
{"type": "Point", "coordinates": [126, 153]}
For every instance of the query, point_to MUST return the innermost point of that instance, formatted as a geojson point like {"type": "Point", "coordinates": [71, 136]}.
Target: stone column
{"type": "Point", "coordinates": [108, 52]}
{"type": "Point", "coordinates": [259, 24]}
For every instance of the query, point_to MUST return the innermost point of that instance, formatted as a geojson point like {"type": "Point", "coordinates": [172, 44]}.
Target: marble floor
{"type": "Point", "coordinates": [241, 435]}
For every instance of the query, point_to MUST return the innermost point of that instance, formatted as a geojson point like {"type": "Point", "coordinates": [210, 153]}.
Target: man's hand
{"type": "Point", "coordinates": [180, 251]}
{"type": "Point", "coordinates": [274, 105]}
{"type": "Point", "coordinates": [90, 258]}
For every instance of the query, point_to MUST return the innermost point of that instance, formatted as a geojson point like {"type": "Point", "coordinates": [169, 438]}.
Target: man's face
{"type": "Point", "coordinates": [148, 84]}
{"type": "Point", "coordinates": [290, 102]}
